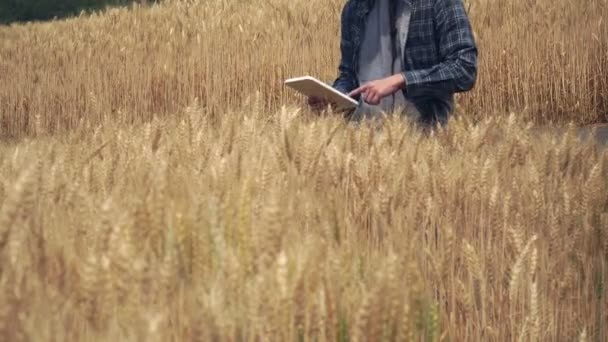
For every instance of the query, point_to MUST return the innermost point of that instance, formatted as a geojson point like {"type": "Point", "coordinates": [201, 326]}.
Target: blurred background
{"type": "Point", "coordinates": [35, 10]}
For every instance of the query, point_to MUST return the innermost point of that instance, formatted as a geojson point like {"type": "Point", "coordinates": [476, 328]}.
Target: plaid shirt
{"type": "Point", "coordinates": [440, 56]}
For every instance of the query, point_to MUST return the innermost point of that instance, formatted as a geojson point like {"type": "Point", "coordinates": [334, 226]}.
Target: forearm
{"type": "Point", "coordinates": [457, 69]}
{"type": "Point", "coordinates": [451, 76]}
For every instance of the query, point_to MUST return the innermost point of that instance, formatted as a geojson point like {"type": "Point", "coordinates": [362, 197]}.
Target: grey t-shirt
{"type": "Point", "coordinates": [380, 54]}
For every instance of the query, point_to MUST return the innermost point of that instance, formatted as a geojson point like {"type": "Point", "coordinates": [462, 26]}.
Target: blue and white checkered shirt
{"type": "Point", "coordinates": [439, 57]}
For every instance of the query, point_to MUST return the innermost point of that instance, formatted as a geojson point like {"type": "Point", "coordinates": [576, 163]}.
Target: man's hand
{"type": "Point", "coordinates": [375, 91]}
{"type": "Point", "coordinates": [317, 104]}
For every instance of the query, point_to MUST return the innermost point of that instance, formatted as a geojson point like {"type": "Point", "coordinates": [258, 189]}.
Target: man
{"type": "Point", "coordinates": [408, 56]}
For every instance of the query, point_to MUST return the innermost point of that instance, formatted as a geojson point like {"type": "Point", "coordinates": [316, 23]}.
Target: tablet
{"type": "Point", "coordinates": [310, 86]}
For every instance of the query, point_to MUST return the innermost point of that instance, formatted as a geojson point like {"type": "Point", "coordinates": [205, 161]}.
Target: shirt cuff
{"type": "Point", "coordinates": [412, 80]}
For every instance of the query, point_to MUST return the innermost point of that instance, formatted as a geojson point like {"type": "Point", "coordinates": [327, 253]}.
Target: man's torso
{"type": "Point", "coordinates": [419, 45]}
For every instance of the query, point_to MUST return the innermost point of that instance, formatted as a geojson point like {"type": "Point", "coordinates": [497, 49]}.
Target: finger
{"type": "Point", "coordinates": [319, 104]}
{"type": "Point", "coordinates": [374, 99]}
{"type": "Point", "coordinates": [358, 91]}
{"type": "Point", "coordinates": [314, 100]}
{"type": "Point", "coordinates": [365, 96]}
{"type": "Point", "coordinates": [378, 98]}
{"type": "Point", "coordinates": [369, 95]}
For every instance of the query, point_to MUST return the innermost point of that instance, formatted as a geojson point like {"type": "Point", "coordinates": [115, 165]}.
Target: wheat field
{"type": "Point", "coordinates": [159, 184]}
{"type": "Point", "coordinates": [546, 60]}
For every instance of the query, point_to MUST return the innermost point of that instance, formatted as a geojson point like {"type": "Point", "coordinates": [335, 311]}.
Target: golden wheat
{"type": "Point", "coordinates": [187, 198]}
{"type": "Point", "coordinates": [130, 65]}
{"type": "Point", "coordinates": [244, 240]}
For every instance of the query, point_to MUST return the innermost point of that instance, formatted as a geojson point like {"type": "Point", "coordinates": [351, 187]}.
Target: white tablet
{"type": "Point", "coordinates": [310, 86]}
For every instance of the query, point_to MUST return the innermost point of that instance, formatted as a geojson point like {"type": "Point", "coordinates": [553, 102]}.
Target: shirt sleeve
{"type": "Point", "coordinates": [347, 79]}
{"type": "Point", "coordinates": [457, 71]}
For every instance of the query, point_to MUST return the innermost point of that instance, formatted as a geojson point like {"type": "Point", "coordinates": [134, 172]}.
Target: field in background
{"type": "Point", "coordinates": [154, 187]}
{"type": "Point", "coordinates": [546, 60]}
{"type": "Point", "coordinates": [12, 11]}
